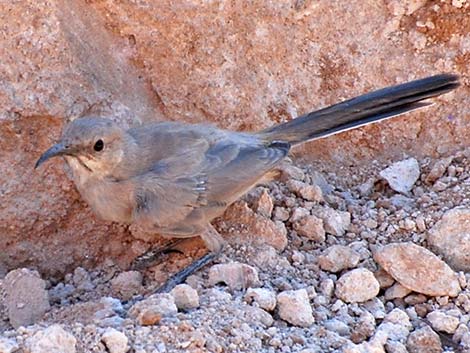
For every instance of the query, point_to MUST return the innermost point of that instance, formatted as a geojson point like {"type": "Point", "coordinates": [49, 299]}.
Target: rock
{"type": "Point", "coordinates": [357, 286]}
{"type": "Point", "coordinates": [264, 204]}
{"type": "Point", "coordinates": [306, 191]}
{"type": "Point", "coordinates": [424, 340]}
{"type": "Point", "coordinates": [310, 227]}
{"type": "Point", "coordinates": [337, 258]}
{"type": "Point", "coordinates": [265, 298]}
{"type": "Point", "coordinates": [115, 341]}
{"type": "Point", "coordinates": [438, 169]}
{"type": "Point", "coordinates": [235, 275]}
{"type": "Point", "coordinates": [401, 176]}
{"type": "Point", "coordinates": [398, 316]}
{"type": "Point", "coordinates": [280, 214]}
{"type": "Point", "coordinates": [127, 284]}
{"type": "Point", "coordinates": [450, 237]}
{"type": "Point", "coordinates": [384, 278]}
{"type": "Point", "coordinates": [335, 222]}
{"type": "Point", "coordinates": [440, 321]}
{"type": "Point", "coordinates": [150, 310]}
{"type": "Point", "coordinates": [245, 225]}
{"type": "Point", "coordinates": [26, 298]}
{"type": "Point", "coordinates": [53, 339]}
{"type": "Point", "coordinates": [186, 297]}
{"type": "Point", "coordinates": [418, 269]}
{"type": "Point", "coordinates": [8, 345]}
{"type": "Point", "coordinates": [396, 291]}
{"type": "Point", "coordinates": [294, 307]}
{"type": "Point", "coordinates": [82, 280]}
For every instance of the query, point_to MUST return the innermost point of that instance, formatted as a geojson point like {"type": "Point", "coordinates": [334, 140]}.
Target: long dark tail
{"type": "Point", "coordinates": [378, 105]}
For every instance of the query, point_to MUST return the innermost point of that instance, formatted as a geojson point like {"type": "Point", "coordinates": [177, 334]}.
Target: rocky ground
{"type": "Point", "coordinates": [361, 260]}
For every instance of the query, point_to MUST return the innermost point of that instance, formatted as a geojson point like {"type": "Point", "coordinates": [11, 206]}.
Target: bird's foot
{"type": "Point", "coordinates": [181, 276]}
{"type": "Point", "coordinates": [155, 255]}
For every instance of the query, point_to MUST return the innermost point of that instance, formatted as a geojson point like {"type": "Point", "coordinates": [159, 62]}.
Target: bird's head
{"type": "Point", "coordinates": [94, 145]}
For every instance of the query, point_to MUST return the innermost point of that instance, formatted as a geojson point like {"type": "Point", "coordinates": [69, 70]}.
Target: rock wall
{"type": "Point", "coordinates": [240, 65]}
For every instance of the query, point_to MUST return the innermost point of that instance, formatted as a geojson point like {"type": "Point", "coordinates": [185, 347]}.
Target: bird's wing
{"type": "Point", "coordinates": [211, 168]}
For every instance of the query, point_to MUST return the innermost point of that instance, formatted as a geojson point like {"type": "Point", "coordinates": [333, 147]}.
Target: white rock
{"type": "Point", "coordinates": [424, 340]}
{"type": "Point", "coordinates": [53, 339]}
{"type": "Point", "coordinates": [265, 298]}
{"type": "Point", "coordinates": [150, 310]}
{"type": "Point", "coordinates": [115, 341]}
{"type": "Point", "coordinates": [396, 291]}
{"type": "Point", "coordinates": [185, 296]}
{"type": "Point", "coordinates": [401, 176]}
{"type": "Point", "coordinates": [335, 222]}
{"type": "Point", "coordinates": [294, 307]}
{"type": "Point", "coordinates": [337, 258]}
{"type": "Point", "coordinates": [8, 345]}
{"type": "Point", "coordinates": [235, 275]}
{"type": "Point", "coordinates": [356, 286]}
{"type": "Point", "coordinates": [440, 321]}
{"type": "Point", "coordinates": [26, 298]}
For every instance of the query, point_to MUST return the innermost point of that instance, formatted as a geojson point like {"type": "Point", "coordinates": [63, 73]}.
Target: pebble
{"type": "Point", "coordinates": [438, 169]}
{"type": "Point", "coordinates": [440, 321]}
{"type": "Point", "coordinates": [294, 307]}
{"type": "Point", "coordinates": [53, 339]}
{"type": "Point", "coordinates": [402, 175]}
{"type": "Point", "coordinates": [26, 297]}
{"type": "Point", "coordinates": [335, 222]}
{"type": "Point", "coordinates": [115, 341]}
{"type": "Point", "coordinates": [235, 275]}
{"type": "Point", "coordinates": [150, 310]}
{"type": "Point", "coordinates": [306, 191]}
{"type": "Point", "coordinates": [450, 237]}
{"type": "Point", "coordinates": [82, 280]}
{"type": "Point", "coordinates": [424, 340]}
{"type": "Point", "coordinates": [418, 269]}
{"type": "Point", "coordinates": [310, 227]}
{"type": "Point", "coordinates": [264, 204]}
{"type": "Point", "coordinates": [357, 286]}
{"type": "Point", "coordinates": [396, 291]}
{"type": "Point", "coordinates": [337, 258]}
{"type": "Point", "coordinates": [186, 297]}
{"type": "Point", "coordinates": [127, 284]}
{"type": "Point", "coordinates": [265, 298]}
{"type": "Point", "coordinates": [384, 278]}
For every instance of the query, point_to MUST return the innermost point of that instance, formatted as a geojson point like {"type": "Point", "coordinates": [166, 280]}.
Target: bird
{"type": "Point", "coordinates": [174, 178]}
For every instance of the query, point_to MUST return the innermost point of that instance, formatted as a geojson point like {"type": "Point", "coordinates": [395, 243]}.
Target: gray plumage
{"type": "Point", "coordinates": [174, 178]}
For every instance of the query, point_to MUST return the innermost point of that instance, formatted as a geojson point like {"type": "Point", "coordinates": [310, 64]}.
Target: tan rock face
{"type": "Point", "coordinates": [240, 66]}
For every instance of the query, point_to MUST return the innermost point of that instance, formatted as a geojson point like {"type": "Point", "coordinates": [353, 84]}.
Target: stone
{"type": "Point", "coordinates": [402, 175]}
{"type": "Point", "coordinates": [424, 340]}
{"type": "Point", "coordinates": [310, 227]}
{"type": "Point", "coordinates": [438, 169]}
{"type": "Point", "coordinates": [264, 205]}
{"type": "Point", "coordinates": [115, 341]}
{"type": "Point", "coordinates": [245, 225]}
{"type": "Point", "coordinates": [127, 284]}
{"type": "Point", "coordinates": [82, 280]}
{"type": "Point", "coordinates": [26, 297]}
{"type": "Point", "coordinates": [418, 269]}
{"type": "Point", "coordinates": [337, 258]}
{"type": "Point", "coordinates": [265, 298]}
{"type": "Point", "coordinates": [357, 286]}
{"type": "Point", "coordinates": [306, 191]}
{"type": "Point", "coordinates": [443, 322]}
{"type": "Point", "coordinates": [8, 345]}
{"type": "Point", "coordinates": [384, 278]}
{"type": "Point", "coordinates": [150, 310]}
{"type": "Point", "coordinates": [186, 297]}
{"type": "Point", "coordinates": [235, 275]}
{"type": "Point", "coordinates": [294, 307]}
{"type": "Point", "coordinates": [53, 339]}
{"type": "Point", "coordinates": [450, 237]}
{"type": "Point", "coordinates": [396, 291]}
{"type": "Point", "coordinates": [335, 222]}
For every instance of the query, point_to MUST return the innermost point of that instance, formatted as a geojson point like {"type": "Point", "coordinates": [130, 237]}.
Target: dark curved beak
{"type": "Point", "coordinates": [57, 150]}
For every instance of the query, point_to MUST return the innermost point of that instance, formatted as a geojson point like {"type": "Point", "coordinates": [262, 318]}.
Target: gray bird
{"type": "Point", "coordinates": [175, 178]}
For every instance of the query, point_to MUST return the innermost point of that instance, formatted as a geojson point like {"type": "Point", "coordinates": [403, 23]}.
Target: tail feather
{"type": "Point", "coordinates": [371, 107]}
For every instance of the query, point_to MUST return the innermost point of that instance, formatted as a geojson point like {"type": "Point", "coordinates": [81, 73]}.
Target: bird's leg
{"type": "Point", "coordinates": [154, 255]}
{"type": "Point", "coordinates": [214, 242]}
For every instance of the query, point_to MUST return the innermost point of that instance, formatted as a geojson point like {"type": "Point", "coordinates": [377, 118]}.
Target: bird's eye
{"type": "Point", "coordinates": [99, 145]}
